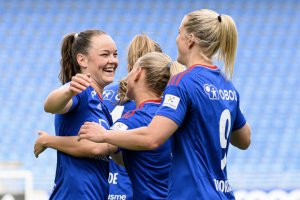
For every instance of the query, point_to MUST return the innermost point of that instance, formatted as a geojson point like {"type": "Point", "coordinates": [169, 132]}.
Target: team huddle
{"type": "Point", "coordinates": [163, 132]}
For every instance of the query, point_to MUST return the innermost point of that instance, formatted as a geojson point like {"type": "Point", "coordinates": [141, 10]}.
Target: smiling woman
{"type": "Point", "coordinates": [88, 63]}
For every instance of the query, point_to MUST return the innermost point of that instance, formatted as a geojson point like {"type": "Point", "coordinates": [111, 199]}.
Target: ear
{"type": "Point", "coordinates": [191, 40]}
{"type": "Point", "coordinates": [82, 60]}
{"type": "Point", "coordinates": [138, 74]}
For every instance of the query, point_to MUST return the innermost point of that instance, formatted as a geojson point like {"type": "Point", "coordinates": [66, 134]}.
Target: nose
{"type": "Point", "coordinates": [113, 60]}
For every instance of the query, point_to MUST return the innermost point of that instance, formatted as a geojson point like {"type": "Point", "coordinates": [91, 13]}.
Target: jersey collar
{"type": "Point", "coordinates": [157, 101]}
{"type": "Point", "coordinates": [205, 66]}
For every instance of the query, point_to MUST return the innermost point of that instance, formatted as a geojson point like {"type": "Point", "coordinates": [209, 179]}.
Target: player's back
{"type": "Point", "coordinates": [148, 170]}
{"type": "Point", "coordinates": [202, 139]}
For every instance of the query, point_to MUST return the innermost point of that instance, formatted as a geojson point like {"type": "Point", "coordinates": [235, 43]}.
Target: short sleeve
{"type": "Point", "coordinates": [175, 104]}
{"type": "Point", "coordinates": [240, 120]}
{"type": "Point", "coordinates": [75, 99]}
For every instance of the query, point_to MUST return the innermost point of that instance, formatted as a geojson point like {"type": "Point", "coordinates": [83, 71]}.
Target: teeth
{"type": "Point", "coordinates": [109, 70]}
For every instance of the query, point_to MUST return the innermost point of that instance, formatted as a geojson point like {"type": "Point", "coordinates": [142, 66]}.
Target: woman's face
{"type": "Point", "coordinates": [181, 42]}
{"type": "Point", "coordinates": [102, 59]}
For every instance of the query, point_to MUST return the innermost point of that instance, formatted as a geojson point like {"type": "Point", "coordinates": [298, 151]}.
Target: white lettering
{"type": "Point", "coordinates": [228, 95]}
{"type": "Point", "coordinates": [231, 95]}
{"type": "Point", "coordinates": [116, 197]}
{"type": "Point", "coordinates": [222, 186]}
{"type": "Point", "coordinates": [112, 178]}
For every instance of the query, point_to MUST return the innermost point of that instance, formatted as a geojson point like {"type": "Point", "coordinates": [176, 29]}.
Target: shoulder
{"type": "Point", "coordinates": [184, 76]}
{"type": "Point", "coordinates": [129, 105]}
{"type": "Point", "coordinates": [133, 116]}
{"type": "Point", "coordinates": [127, 121]}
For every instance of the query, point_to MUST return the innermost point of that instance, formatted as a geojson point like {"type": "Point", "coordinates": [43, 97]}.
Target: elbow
{"type": "Point", "coordinates": [98, 152]}
{"type": "Point", "coordinates": [47, 108]}
{"type": "Point", "coordinates": [245, 145]}
{"type": "Point", "coordinates": [153, 144]}
{"type": "Point", "coordinates": [246, 142]}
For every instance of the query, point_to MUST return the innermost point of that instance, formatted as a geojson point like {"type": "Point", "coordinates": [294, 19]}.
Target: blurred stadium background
{"type": "Point", "coordinates": [266, 75]}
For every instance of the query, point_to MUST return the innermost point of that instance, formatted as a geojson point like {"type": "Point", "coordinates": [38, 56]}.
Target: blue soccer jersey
{"type": "Point", "coordinates": [119, 182]}
{"type": "Point", "coordinates": [205, 106]}
{"type": "Point", "coordinates": [148, 170]}
{"type": "Point", "coordinates": [81, 178]}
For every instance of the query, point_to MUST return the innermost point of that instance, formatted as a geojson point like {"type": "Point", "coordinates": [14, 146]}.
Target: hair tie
{"type": "Point", "coordinates": [169, 65]}
{"type": "Point", "coordinates": [219, 18]}
{"type": "Point", "coordinates": [76, 35]}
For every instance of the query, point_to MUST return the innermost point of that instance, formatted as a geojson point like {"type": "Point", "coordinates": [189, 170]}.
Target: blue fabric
{"type": "Point", "coordinates": [119, 182]}
{"type": "Point", "coordinates": [81, 178]}
{"type": "Point", "coordinates": [206, 108]}
{"type": "Point", "coordinates": [148, 170]}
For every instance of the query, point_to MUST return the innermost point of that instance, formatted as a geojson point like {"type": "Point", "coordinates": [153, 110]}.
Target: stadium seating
{"type": "Point", "coordinates": [266, 75]}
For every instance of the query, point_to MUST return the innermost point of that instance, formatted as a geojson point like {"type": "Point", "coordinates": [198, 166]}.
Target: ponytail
{"type": "Point", "coordinates": [176, 68]}
{"type": "Point", "coordinates": [228, 43]}
{"type": "Point", "coordinates": [140, 45]}
{"type": "Point", "coordinates": [69, 65]}
{"type": "Point", "coordinates": [215, 34]}
{"type": "Point", "coordinates": [122, 91]}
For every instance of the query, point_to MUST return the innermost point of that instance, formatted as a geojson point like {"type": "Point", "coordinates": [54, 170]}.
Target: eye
{"type": "Point", "coordinates": [104, 54]}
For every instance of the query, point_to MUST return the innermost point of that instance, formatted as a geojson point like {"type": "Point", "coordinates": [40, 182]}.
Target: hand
{"type": "Point", "coordinates": [91, 131]}
{"type": "Point", "coordinates": [39, 145]}
{"type": "Point", "coordinates": [79, 83]}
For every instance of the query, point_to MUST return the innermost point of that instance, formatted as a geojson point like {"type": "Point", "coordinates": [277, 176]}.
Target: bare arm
{"type": "Point", "coordinates": [60, 100]}
{"type": "Point", "coordinates": [241, 138]}
{"type": "Point", "coordinates": [71, 146]}
{"type": "Point", "coordinates": [144, 138]}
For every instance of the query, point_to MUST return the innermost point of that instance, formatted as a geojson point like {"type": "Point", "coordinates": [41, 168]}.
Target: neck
{"type": "Point", "coordinates": [144, 95]}
{"type": "Point", "coordinates": [97, 87]}
{"type": "Point", "coordinates": [195, 57]}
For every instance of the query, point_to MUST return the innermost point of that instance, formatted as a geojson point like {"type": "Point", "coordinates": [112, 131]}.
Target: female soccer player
{"type": "Point", "coordinates": [118, 104]}
{"type": "Point", "coordinates": [88, 63]}
{"type": "Point", "coordinates": [200, 110]}
{"type": "Point", "coordinates": [148, 170]}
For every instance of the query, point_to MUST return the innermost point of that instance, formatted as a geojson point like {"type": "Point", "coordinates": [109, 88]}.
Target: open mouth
{"type": "Point", "coordinates": [109, 69]}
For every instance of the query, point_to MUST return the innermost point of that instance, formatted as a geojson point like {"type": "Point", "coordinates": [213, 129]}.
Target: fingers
{"type": "Point", "coordinates": [87, 125]}
{"type": "Point", "coordinates": [82, 137]}
{"type": "Point", "coordinates": [84, 77]}
{"type": "Point", "coordinates": [40, 133]}
{"type": "Point", "coordinates": [36, 154]}
{"type": "Point", "coordinates": [80, 82]}
{"type": "Point", "coordinates": [36, 151]}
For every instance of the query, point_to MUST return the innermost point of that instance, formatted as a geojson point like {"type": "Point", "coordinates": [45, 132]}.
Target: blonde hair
{"type": "Point", "coordinates": [140, 45]}
{"type": "Point", "coordinates": [215, 34]}
{"type": "Point", "coordinates": [159, 68]}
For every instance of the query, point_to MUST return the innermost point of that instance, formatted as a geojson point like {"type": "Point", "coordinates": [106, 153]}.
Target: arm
{"type": "Point", "coordinates": [60, 100]}
{"type": "Point", "coordinates": [144, 138]}
{"type": "Point", "coordinates": [241, 138]}
{"type": "Point", "coordinates": [71, 146]}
